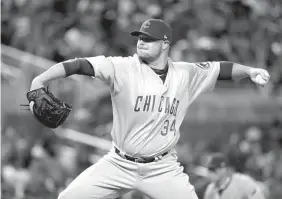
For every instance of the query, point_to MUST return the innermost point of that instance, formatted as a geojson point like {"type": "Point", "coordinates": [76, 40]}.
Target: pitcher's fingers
{"type": "Point", "coordinates": [31, 106]}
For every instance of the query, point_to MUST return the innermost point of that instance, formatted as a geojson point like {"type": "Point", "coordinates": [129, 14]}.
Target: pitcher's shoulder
{"type": "Point", "coordinates": [116, 61]}
{"type": "Point", "coordinates": [205, 66]}
{"type": "Point", "coordinates": [184, 65]}
{"type": "Point", "coordinates": [121, 58]}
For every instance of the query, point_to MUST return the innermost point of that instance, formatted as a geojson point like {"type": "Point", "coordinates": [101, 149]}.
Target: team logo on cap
{"type": "Point", "coordinates": [165, 36]}
{"type": "Point", "coordinates": [147, 24]}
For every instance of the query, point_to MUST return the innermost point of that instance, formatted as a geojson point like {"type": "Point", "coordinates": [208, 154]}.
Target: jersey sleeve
{"type": "Point", "coordinates": [109, 69]}
{"type": "Point", "coordinates": [202, 77]}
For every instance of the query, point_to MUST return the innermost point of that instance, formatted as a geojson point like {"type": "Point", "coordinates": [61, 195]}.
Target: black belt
{"type": "Point", "coordinates": [140, 159]}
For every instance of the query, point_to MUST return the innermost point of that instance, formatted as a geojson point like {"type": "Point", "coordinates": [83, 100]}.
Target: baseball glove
{"type": "Point", "coordinates": [47, 109]}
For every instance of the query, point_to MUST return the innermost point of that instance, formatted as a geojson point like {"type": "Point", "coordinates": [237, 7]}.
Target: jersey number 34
{"type": "Point", "coordinates": [168, 127]}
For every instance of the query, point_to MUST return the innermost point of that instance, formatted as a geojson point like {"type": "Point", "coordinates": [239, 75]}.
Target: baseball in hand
{"type": "Point", "coordinates": [260, 80]}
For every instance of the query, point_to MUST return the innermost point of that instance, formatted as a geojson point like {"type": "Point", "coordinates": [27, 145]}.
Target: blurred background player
{"type": "Point", "coordinates": [227, 184]}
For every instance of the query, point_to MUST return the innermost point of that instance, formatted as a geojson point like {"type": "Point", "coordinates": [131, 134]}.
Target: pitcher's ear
{"type": "Point", "coordinates": [165, 44]}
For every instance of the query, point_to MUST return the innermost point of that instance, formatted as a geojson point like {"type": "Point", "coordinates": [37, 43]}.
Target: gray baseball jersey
{"type": "Point", "coordinates": [148, 112]}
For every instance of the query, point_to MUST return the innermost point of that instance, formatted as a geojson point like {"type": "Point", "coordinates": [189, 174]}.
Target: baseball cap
{"type": "Point", "coordinates": [155, 28]}
{"type": "Point", "coordinates": [217, 160]}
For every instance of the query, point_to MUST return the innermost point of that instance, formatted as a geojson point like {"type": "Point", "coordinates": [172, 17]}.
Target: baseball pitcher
{"type": "Point", "coordinates": [150, 95]}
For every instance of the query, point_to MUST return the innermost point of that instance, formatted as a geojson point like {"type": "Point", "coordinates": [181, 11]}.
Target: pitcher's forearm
{"type": "Point", "coordinates": [240, 71]}
{"type": "Point", "coordinates": [80, 66]}
{"type": "Point", "coordinates": [55, 72]}
{"type": "Point", "coordinates": [231, 70]}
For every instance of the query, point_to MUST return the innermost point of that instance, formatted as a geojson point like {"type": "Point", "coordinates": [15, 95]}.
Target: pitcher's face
{"type": "Point", "coordinates": [149, 48]}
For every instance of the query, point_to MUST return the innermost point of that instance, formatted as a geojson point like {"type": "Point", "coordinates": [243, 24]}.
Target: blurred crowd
{"type": "Point", "coordinates": [244, 31]}
{"type": "Point", "coordinates": [36, 164]}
